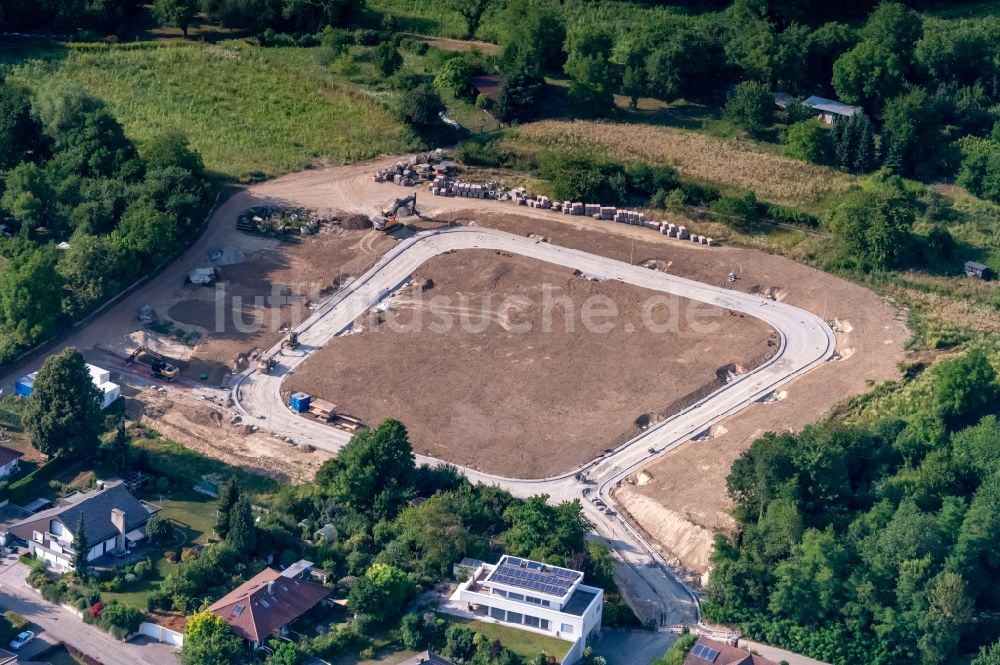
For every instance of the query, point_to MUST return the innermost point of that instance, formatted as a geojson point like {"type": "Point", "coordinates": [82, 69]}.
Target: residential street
{"type": "Point", "coordinates": [54, 624]}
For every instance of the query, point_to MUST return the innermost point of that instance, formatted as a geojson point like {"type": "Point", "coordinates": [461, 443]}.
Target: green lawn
{"type": "Point", "coordinates": [194, 516]}
{"type": "Point", "coordinates": [249, 111]}
{"type": "Point", "coordinates": [522, 642]}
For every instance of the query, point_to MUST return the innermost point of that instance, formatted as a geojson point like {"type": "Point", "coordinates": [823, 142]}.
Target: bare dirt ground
{"type": "Point", "coordinates": [491, 394]}
{"type": "Point", "coordinates": [205, 427]}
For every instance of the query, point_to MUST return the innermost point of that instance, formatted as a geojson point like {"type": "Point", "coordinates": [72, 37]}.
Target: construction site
{"type": "Point", "coordinates": [517, 405]}
{"type": "Point", "coordinates": [486, 396]}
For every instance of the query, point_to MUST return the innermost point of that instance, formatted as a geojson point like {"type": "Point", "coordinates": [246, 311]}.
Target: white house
{"type": "Point", "coordinates": [8, 461]}
{"type": "Point", "coordinates": [534, 596]}
{"type": "Point", "coordinates": [113, 521]}
{"type": "Point", "coordinates": [24, 386]}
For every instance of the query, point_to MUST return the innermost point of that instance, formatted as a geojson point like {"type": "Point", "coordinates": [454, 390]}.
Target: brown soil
{"type": "Point", "coordinates": [206, 428]}
{"type": "Point", "coordinates": [689, 484]}
{"type": "Point", "coordinates": [531, 404]}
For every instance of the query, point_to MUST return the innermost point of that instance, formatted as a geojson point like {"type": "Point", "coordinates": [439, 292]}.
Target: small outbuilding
{"type": "Point", "coordinates": [977, 270]}
{"type": "Point", "coordinates": [830, 110]}
{"type": "Point", "coordinates": [488, 85]}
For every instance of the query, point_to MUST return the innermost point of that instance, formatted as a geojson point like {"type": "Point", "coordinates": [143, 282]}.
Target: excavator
{"type": "Point", "coordinates": [158, 366]}
{"type": "Point", "coordinates": [387, 219]}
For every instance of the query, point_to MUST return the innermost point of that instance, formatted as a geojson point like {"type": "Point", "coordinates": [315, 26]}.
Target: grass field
{"type": "Point", "coordinates": [525, 644]}
{"type": "Point", "coordinates": [696, 156]}
{"type": "Point", "coordinates": [250, 111]}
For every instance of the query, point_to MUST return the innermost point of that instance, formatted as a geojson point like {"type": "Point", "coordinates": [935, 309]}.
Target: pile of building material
{"type": "Point", "coordinates": [277, 221]}
{"type": "Point", "coordinates": [443, 185]}
{"type": "Point", "coordinates": [101, 378]}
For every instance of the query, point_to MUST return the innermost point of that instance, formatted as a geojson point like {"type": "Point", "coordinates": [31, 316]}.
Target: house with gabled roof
{"type": "Point", "coordinates": [113, 522]}
{"type": "Point", "coordinates": [711, 652]}
{"type": "Point", "coordinates": [268, 602]}
{"type": "Point", "coordinates": [9, 460]}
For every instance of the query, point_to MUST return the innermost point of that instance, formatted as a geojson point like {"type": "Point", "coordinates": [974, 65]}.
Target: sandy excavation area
{"type": "Point", "coordinates": [480, 379]}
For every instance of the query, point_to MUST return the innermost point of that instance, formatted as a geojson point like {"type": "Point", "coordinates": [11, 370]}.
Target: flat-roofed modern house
{"type": "Point", "coordinates": [113, 521]}
{"type": "Point", "coordinates": [830, 110]}
{"type": "Point", "coordinates": [534, 596]}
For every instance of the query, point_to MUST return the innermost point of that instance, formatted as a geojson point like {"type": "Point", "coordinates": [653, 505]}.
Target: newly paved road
{"type": "Point", "coordinates": [53, 624]}
{"type": "Point", "coordinates": [649, 584]}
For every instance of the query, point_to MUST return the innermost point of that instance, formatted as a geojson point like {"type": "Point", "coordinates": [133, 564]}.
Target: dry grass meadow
{"type": "Point", "coordinates": [722, 162]}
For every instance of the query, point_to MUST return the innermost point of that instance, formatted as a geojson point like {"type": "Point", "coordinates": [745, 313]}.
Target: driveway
{"type": "Point", "coordinates": [53, 624]}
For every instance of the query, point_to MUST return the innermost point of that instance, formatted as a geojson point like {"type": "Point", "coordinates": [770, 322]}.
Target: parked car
{"type": "Point", "coordinates": [22, 640]}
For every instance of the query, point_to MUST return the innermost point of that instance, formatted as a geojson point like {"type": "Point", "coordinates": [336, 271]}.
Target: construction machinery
{"type": "Point", "coordinates": [265, 366]}
{"type": "Point", "coordinates": [291, 341]}
{"type": "Point", "coordinates": [158, 366]}
{"type": "Point", "coordinates": [388, 218]}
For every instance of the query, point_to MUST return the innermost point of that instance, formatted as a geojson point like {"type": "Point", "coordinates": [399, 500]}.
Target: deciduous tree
{"type": "Point", "coordinates": [63, 413]}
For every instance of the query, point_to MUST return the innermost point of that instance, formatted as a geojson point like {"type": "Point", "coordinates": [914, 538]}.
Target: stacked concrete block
{"type": "Point", "coordinates": [578, 209]}
{"type": "Point", "coordinates": [608, 212]}
{"type": "Point", "coordinates": [591, 209]}
{"type": "Point", "coordinates": [682, 232]}
{"type": "Point", "coordinates": [709, 242]}
{"type": "Point", "coordinates": [544, 202]}
{"type": "Point", "coordinates": [567, 208]}
{"type": "Point", "coordinates": [650, 224]}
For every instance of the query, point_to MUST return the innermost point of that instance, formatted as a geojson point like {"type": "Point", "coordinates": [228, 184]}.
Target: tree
{"type": "Point", "coordinates": [311, 16]}
{"type": "Point", "coordinates": [589, 70]}
{"type": "Point", "coordinates": [518, 96]}
{"type": "Point", "coordinates": [873, 228]}
{"type": "Point", "coordinates": [382, 593]}
{"type": "Point", "coordinates": [176, 13]}
{"type": "Point", "coordinates": [545, 532]}
{"type": "Point", "coordinates": [20, 132]}
{"type": "Point", "coordinates": [229, 494]}
{"type": "Point", "coordinates": [63, 413]}
{"type": "Point", "coordinates": [965, 389]}
{"type": "Point", "coordinates": [854, 144]}
{"type": "Point", "coordinates": [145, 232]}
{"type": "Point", "coordinates": [159, 530]}
{"type": "Point", "coordinates": [809, 141]}
{"type": "Point", "coordinates": [30, 197]}
{"type": "Point", "coordinates": [119, 454]}
{"type": "Point", "coordinates": [867, 75]}
{"type": "Point", "coordinates": [896, 27]}
{"type": "Point", "coordinates": [242, 530]}
{"type": "Point", "coordinates": [387, 58]}
{"type": "Point", "coordinates": [913, 136]}
{"type": "Point", "coordinates": [980, 169]}
{"type": "Point", "coordinates": [750, 106]}
{"type": "Point", "coordinates": [420, 107]}
{"type": "Point", "coordinates": [949, 611]}
{"type": "Point", "coordinates": [988, 655]}
{"type": "Point", "coordinates": [121, 620]}
{"type": "Point", "coordinates": [736, 210]}
{"type": "Point", "coordinates": [472, 11]}
{"type": "Point", "coordinates": [171, 148]}
{"type": "Point", "coordinates": [454, 76]}
{"type": "Point", "coordinates": [533, 40]}
{"type": "Point", "coordinates": [81, 549]}
{"type": "Point", "coordinates": [31, 297]}
{"type": "Point", "coordinates": [91, 271]}
{"type": "Point", "coordinates": [436, 531]}
{"type": "Point", "coordinates": [286, 653]}
{"type": "Point", "coordinates": [373, 474]}
{"type": "Point", "coordinates": [207, 639]}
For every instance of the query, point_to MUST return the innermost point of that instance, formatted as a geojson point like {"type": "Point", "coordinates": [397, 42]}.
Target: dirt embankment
{"type": "Point", "coordinates": [500, 367]}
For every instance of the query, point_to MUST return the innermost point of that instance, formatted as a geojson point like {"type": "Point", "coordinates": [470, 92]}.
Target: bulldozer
{"type": "Point", "coordinates": [158, 366]}
{"type": "Point", "coordinates": [388, 218]}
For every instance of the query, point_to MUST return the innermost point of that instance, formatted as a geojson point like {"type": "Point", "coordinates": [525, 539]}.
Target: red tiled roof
{"type": "Point", "coordinates": [258, 607]}
{"type": "Point", "coordinates": [727, 655]}
{"type": "Point", "coordinates": [8, 455]}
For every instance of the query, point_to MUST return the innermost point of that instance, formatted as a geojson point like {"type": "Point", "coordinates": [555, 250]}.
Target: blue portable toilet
{"type": "Point", "coordinates": [299, 402]}
{"type": "Point", "coordinates": [24, 386]}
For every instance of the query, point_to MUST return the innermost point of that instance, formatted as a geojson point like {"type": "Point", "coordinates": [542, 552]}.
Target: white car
{"type": "Point", "coordinates": [22, 640]}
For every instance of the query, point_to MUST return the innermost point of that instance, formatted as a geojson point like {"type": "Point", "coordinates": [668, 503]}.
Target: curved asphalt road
{"type": "Point", "coordinates": [647, 581]}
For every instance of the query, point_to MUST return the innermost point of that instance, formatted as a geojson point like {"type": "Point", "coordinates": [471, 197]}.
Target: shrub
{"type": "Point", "coordinates": [143, 568]}
{"type": "Point", "coordinates": [96, 609]}
{"type": "Point", "coordinates": [189, 554]}
{"type": "Point", "coordinates": [738, 211]}
{"type": "Point", "coordinates": [367, 37]}
{"type": "Point", "coordinates": [163, 484]}
{"type": "Point", "coordinates": [484, 101]}
{"type": "Point", "coordinates": [368, 653]}
{"type": "Point", "coordinates": [479, 152]}
{"type": "Point", "coordinates": [120, 620]}
{"type": "Point", "coordinates": [170, 555]}
{"type": "Point", "coordinates": [16, 621]}
{"type": "Point", "coordinates": [51, 593]}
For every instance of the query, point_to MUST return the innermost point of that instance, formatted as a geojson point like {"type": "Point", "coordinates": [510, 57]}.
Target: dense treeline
{"type": "Point", "coordinates": [872, 544]}
{"type": "Point", "coordinates": [72, 176]}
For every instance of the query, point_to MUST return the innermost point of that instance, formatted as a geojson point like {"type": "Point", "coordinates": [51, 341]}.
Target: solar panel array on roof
{"type": "Point", "coordinates": [705, 652]}
{"type": "Point", "coordinates": [535, 576]}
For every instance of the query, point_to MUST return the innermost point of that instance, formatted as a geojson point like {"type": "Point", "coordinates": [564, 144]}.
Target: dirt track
{"type": "Point", "coordinates": [537, 402]}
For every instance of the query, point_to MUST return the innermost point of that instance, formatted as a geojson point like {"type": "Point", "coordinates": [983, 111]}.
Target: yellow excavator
{"type": "Point", "coordinates": [387, 219]}
{"type": "Point", "coordinates": [158, 366]}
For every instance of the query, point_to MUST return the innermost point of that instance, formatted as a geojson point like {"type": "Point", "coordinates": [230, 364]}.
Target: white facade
{"type": "Point", "coordinates": [571, 611]}
{"type": "Point", "coordinates": [55, 546]}
{"type": "Point", "coordinates": [8, 468]}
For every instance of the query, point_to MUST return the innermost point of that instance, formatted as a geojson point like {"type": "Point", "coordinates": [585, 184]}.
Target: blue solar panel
{"type": "Point", "coordinates": [705, 652]}
{"type": "Point", "coordinates": [535, 576]}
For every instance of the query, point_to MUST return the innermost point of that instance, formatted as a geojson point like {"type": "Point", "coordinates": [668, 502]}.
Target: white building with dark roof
{"type": "Point", "coordinates": [537, 597]}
